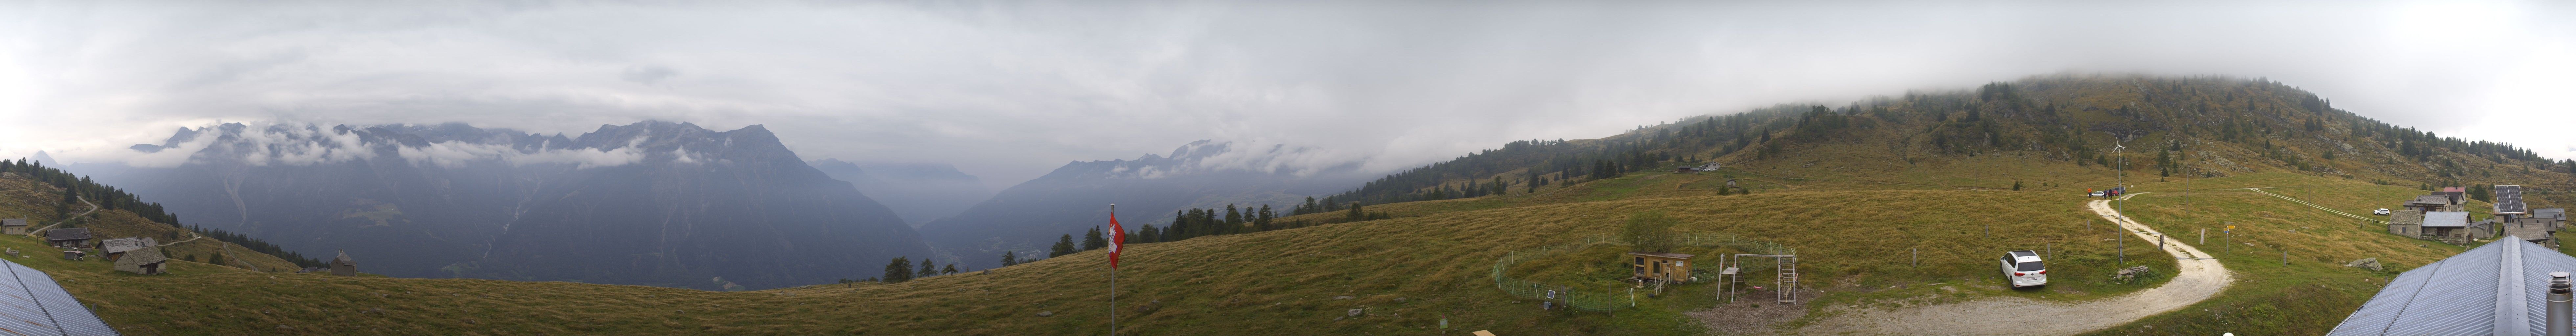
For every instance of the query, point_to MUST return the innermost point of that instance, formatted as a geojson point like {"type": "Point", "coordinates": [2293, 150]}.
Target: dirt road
{"type": "Point", "coordinates": [2198, 279]}
{"type": "Point", "coordinates": [39, 232]}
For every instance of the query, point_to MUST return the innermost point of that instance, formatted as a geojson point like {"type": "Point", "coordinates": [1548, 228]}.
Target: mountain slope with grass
{"type": "Point", "coordinates": [1858, 198]}
{"type": "Point", "coordinates": [2169, 126]}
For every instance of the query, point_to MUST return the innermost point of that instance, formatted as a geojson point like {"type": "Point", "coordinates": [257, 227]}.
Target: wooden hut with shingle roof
{"type": "Point", "coordinates": [67, 238]}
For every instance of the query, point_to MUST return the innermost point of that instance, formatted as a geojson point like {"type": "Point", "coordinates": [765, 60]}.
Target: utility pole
{"type": "Point", "coordinates": [2121, 174]}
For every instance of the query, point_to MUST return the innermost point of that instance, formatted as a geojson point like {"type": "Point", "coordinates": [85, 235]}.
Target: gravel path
{"type": "Point", "coordinates": [183, 241]}
{"type": "Point", "coordinates": [2313, 205]}
{"type": "Point", "coordinates": [2199, 279]}
{"type": "Point", "coordinates": [40, 232]}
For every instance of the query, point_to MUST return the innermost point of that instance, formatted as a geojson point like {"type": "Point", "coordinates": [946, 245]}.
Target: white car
{"type": "Point", "coordinates": [2381, 212]}
{"type": "Point", "coordinates": [2024, 269]}
{"type": "Point", "coordinates": [2099, 193]}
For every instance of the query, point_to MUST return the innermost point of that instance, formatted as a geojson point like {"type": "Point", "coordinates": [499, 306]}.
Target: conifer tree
{"type": "Point", "coordinates": [64, 207]}
{"type": "Point", "coordinates": [950, 269]}
{"type": "Point", "coordinates": [898, 270]}
{"type": "Point", "coordinates": [1063, 246]}
{"type": "Point", "coordinates": [927, 269]}
{"type": "Point", "coordinates": [1010, 258]}
{"type": "Point", "coordinates": [1264, 218]}
{"type": "Point", "coordinates": [1093, 241]}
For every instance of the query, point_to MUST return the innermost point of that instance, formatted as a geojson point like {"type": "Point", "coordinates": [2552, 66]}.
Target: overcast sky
{"type": "Point", "coordinates": [1009, 90]}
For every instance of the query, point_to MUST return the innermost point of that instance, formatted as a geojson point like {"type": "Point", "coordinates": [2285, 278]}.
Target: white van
{"type": "Point", "coordinates": [2024, 269]}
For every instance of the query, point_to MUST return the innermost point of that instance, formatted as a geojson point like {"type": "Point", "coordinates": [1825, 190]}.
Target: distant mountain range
{"type": "Point", "coordinates": [918, 192]}
{"type": "Point", "coordinates": [1030, 217]}
{"type": "Point", "coordinates": [651, 203]}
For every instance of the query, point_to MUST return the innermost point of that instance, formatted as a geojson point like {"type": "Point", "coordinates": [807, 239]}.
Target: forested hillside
{"type": "Point", "coordinates": [2201, 126]}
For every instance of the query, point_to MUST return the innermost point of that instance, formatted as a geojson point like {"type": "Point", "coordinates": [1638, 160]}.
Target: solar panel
{"type": "Point", "coordinates": [32, 304]}
{"type": "Point", "coordinates": [2509, 200]}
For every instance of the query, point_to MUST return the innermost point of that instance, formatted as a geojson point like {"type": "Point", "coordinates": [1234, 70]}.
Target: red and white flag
{"type": "Point", "coordinates": [1117, 238]}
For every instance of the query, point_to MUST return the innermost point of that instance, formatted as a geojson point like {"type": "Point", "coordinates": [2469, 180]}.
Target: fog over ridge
{"type": "Point", "coordinates": [1007, 90]}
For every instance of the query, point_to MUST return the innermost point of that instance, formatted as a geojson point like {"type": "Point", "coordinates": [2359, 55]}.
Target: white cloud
{"type": "Point", "coordinates": [297, 144]}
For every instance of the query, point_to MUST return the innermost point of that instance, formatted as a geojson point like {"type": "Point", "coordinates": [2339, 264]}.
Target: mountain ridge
{"type": "Point", "coordinates": [453, 200]}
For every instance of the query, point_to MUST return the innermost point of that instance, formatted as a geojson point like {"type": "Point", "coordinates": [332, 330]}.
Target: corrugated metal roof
{"type": "Point", "coordinates": [2431, 200]}
{"type": "Point", "coordinates": [2496, 289]}
{"type": "Point", "coordinates": [32, 304]}
{"type": "Point", "coordinates": [2446, 219]}
{"type": "Point", "coordinates": [13, 222]}
{"type": "Point", "coordinates": [344, 255]}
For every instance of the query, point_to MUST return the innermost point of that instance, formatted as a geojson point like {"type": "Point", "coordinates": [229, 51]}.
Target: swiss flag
{"type": "Point", "coordinates": [1117, 237]}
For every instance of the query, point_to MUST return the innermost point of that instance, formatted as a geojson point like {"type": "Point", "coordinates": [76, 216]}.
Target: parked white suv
{"type": "Point", "coordinates": [2381, 212]}
{"type": "Point", "coordinates": [2024, 269]}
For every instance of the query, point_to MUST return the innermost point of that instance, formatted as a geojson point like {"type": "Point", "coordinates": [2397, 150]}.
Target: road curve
{"type": "Point", "coordinates": [2199, 278]}
{"type": "Point", "coordinates": [39, 232]}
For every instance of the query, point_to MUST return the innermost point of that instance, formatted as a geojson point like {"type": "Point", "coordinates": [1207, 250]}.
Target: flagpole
{"type": "Point", "coordinates": [1113, 278]}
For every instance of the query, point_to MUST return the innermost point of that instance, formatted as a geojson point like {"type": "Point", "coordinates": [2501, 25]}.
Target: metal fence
{"type": "Point", "coordinates": [1607, 301]}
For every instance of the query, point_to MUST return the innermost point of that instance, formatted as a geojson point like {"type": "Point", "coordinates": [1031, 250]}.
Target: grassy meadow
{"type": "Point", "coordinates": [2310, 294]}
{"type": "Point", "coordinates": [1403, 274]}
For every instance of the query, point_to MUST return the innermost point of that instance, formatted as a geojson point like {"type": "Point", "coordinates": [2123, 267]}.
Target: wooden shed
{"type": "Point", "coordinates": [343, 266]}
{"type": "Point", "coordinates": [67, 238]}
{"type": "Point", "coordinates": [1674, 267]}
{"type": "Point", "coordinates": [15, 226]}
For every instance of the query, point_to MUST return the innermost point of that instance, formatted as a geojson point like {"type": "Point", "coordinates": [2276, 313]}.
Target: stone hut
{"type": "Point", "coordinates": [145, 261]}
{"type": "Point", "coordinates": [2458, 195]}
{"type": "Point", "coordinates": [117, 248]}
{"type": "Point", "coordinates": [2432, 203]}
{"type": "Point", "coordinates": [15, 226]}
{"type": "Point", "coordinates": [2408, 223]}
{"type": "Point", "coordinates": [2452, 226]}
{"type": "Point", "coordinates": [343, 266]}
{"type": "Point", "coordinates": [2537, 230]}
